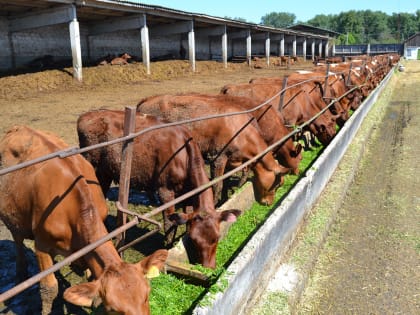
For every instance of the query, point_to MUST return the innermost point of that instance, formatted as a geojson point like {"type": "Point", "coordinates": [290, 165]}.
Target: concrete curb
{"type": "Point", "coordinates": [270, 243]}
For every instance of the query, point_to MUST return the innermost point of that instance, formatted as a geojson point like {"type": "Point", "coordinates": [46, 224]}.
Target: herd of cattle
{"type": "Point", "coordinates": [60, 203]}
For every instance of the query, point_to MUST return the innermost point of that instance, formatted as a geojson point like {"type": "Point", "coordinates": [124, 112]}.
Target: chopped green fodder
{"type": "Point", "coordinates": [171, 295]}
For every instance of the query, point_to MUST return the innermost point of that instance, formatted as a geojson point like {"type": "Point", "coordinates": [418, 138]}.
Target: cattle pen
{"type": "Point", "coordinates": [310, 187]}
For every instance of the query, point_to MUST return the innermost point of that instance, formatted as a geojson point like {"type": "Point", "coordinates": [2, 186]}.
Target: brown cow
{"type": "Point", "coordinates": [226, 142]}
{"type": "Point", "coordinates": [59, 204]}
{"type": "Point", "coordinates": [299, 106]}
{"type": "Point", "coordinates": [121, 60]}
{"type": "Point", "coordinates": [166, 161]}
{"type": "Point", "coordinates": [322, 94]}
{"type": "Point", "coordinates": [271, 124]}
{"type": "Point", "coordinates": [352, 77]}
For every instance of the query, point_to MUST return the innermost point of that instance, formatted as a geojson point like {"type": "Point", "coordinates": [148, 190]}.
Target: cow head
{"type": "Point", "coordinates": [204, 232]}
{"type": "Point", "coordinates": [268, 176]}
{"type": "Point", "coordinates": [290, 155]}
{"type": "Point", "coordinates": [121, 288]}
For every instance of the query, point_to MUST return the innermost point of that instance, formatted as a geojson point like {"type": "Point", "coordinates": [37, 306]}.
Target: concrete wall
{"type": "Point", "coordinates": [5, 47]}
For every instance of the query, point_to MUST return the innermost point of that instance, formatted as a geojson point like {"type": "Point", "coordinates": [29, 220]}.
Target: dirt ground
{"type": "Point", "coordinates": [51, 100]}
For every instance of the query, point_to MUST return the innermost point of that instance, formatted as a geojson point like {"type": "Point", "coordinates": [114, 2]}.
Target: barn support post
{"type": "Point", "coordinates": [76, 50]}
{"type": "Point", "coordinates": [224, 48]}
{"type": "Point", "coordinates": [145, 44]}
{"type": "Point", "coordinates": [248, 48]}
{"type": "Point", "coordinates": [320, 49]}
{"type": "Point", "coordinates": [282, 45]}
{"type": "Point", "coordinates": [327, 47]}
{"type": "Point", "coordinates": [333, 49]}
{"type": "Point", "coordinates": [294, 46]}
{"type": "Point", "coordinates": [313, 49]}
{"type": "Point", "coordinates": [368, 49]}
{"type": "Point", "coordinates": [304, 49]}
{"type": "Point", "coordinates": [191, 46]}
{"type": "Point", "coordinates": [126, 161]}
{"type": "Point", "coordinates": [267, 48]}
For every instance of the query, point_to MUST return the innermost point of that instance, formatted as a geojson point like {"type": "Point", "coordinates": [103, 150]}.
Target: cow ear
{"type": "Point", "coordinates": [83, 294]}
{"type": "Point", "coordinates": [151, 265]}
{"type": "Point", "coordinates": [230, 215]}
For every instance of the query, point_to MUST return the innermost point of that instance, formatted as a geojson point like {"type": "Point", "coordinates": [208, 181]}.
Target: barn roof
{"type": "Point", "coordinates": [91, 11]}
{"type": "Point", "coordinates": [313, 30]}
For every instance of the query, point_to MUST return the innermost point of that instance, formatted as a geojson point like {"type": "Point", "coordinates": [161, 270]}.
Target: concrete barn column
{"type": "Point", "coordinates": [267, 48]}
{"type": "Point", "coordinates": [145, 44]}
{"type": "Point", "coordinates": [224, 48]}
{"type": "Point", "coordinates": [313, 49]}
{"type": "Point", "coordinates": [76, 50]}
{"type": "Point", "coordinates": [191, 46]}
{"type": "Point", "coordinates": [327, 47]}
{"type": "Point", "coordinates": [304, 49]}
{"type": "Point", "coordinates": [282, 45]}
{"type": "Point", "coordinates": [248, 47]}
{"type": "Point", "coordinates": [368, 49]}
{"type": "Point", "coordinates": [294, 46]}
{"type": "Point", "coordinates": [320, 49]}
{"type": "Point", "coordinates": [333, 49]}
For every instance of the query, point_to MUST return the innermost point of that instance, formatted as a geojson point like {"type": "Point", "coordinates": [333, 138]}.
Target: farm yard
{"type": "Point", "coordinates": [51, 100]}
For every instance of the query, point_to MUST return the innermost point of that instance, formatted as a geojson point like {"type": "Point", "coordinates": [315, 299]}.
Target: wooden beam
{"type": "Point", "coordinates": [118, 24]}
{"type": "Point", "coordinates": [60, 15]}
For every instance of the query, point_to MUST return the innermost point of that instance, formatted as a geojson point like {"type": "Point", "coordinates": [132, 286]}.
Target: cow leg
{"type": "Point", "coordinates": [21, 263]}
{"type": "Point", "coordinates": [169, 227]}
{"type": "Point", "coordinates": [244, 176]}
{"type": "Point", "coordinates": [105, 182]}
{"type": "Point", "coordinates": [49, 284]}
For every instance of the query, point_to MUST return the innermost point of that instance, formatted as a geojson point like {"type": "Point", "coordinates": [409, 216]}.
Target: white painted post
{"type": "Point", "coordinates": [76, 50]}
{"type": "Point", "coordinates": [267, 48]}
{"type": "Point", "coordinates": [191, 46]}
{"type": "Point", "coordinates": [326, 49]}
{"type": "Point", "coordinates": [224, 48]}
{"type": "Point", "coordinates": [145, 44]}
{"type": "Point", "coordinates": [368, 49]}
{"type": "Point", "coordinates": [304, 49]}
{"type": "Point", "coordinates": [333, 49]}
{"type": "Point", "coordinates": [320, 48]}
{"type": "Point", "coordinates": [282, 45]}
{"type": "Point", "coordinates": [248, 47]}
{"type": "Point", "coordinates": [294, 46]}
{"type": "Point", "coordinates": [313, 49]}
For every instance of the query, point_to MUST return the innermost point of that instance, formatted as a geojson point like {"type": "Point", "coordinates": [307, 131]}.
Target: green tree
{"type": "Point", "coordinates": [328, 22]}
{"type": "Point", "coordinates": [376, 27]}
{"type": "Point", "coordinates": [404, 25]}
{"type": "Point", "coordinates": [278, 19]}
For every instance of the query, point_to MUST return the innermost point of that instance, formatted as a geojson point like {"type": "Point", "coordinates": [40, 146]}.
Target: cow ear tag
{"type": "Point", "coordinates": [153, 272]}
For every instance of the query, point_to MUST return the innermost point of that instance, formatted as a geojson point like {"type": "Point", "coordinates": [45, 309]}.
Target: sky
{"type": "Point", "coordinates": [304, 10]}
